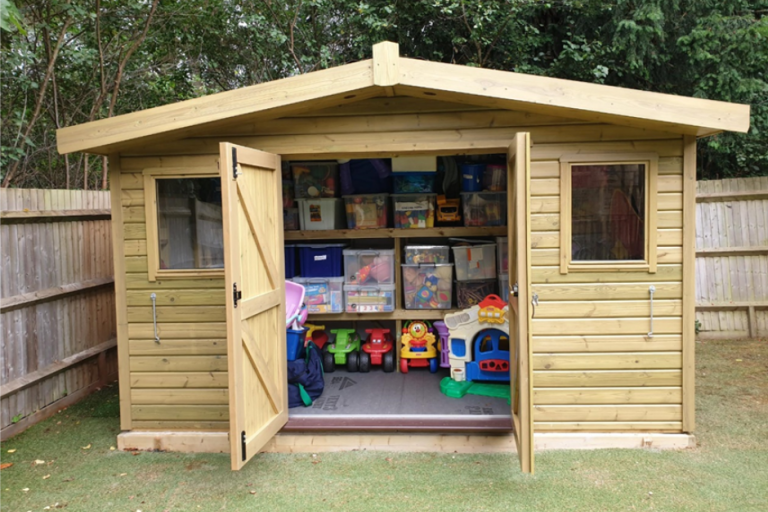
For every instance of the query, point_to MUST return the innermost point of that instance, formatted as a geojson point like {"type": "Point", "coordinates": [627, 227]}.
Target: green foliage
{"type": "Point", "coordinates": [716, 49]}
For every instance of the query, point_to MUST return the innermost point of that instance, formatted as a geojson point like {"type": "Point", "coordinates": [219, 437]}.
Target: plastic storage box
{"type": "Point", "coordinates": [475, 262]}
{"type": "Point", "coordinates": [320, 260]}
{"type": "Point", "coordinates": [414, 182]}
{"type": "Point", "coordinates": [470, 293]}
{"type": "Point", "coordinates": [504, 287]}
{"type": "Point", "coordinates": [502, 257]}
{"type": "Point", "coordinates": [369, 299]}
{"type": "Point", "coordinates": [428, 286]}
{"type": "Point", "coordinates": [290, 261]}
{"type": "Point", "coordinates": [418, 254]}
{"type": "Point", "coordinates": [484, 208]}
{"type": "Point", "coordinates": [414, 210]}
{"type": "Point", "coordinates": [316, 214]}
{"type": "Point", "coordinates": [315, 179]}
{"type": "Point", "coordinates": [322, 294]}
{"type": "Point", "coordinates": [495, 178]}
{"type": "Point", "coordinates": [367, 211]}
{"type": "Point", "coordinates": [472, 177]}
{"type": "Point", "coordinates": [291, 219]}
{"type": "Point", "coordinates": [288, 199]}
{"type": "Point", "coordinates": [369, 267]}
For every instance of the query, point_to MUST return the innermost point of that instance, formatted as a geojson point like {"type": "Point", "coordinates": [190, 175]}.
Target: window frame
{"type": "Point", "coordinates": [648, 264]}
{"type": "Point", "coordinates": [151, 175]}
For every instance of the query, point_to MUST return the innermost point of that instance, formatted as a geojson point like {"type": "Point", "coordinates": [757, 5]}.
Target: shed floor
{"type": "Point", "coordinates": [397, 401]}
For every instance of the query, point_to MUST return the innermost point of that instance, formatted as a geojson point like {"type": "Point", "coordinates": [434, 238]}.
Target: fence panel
{"type": "Point", "coordinates": [732, 258]}
{"type": "Point", "coordinates": [57, 301]}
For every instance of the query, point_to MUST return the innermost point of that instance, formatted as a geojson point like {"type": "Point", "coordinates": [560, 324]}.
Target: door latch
{"type": "Point", "coordinates": [236, 295]}
{"type": "Point", "coordinates": [153, 298]}
{"type": "Point", "coordinates": [651, 290]}
{"type": "Point", "coordinates": [514, 290]}
{"type": "Point", "coordinates": [534, 303]}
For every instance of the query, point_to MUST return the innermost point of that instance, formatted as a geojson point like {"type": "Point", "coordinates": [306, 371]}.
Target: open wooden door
{"type": "Point", "coordinates": [518, 213]}
{"type": "Point", "coordinates": [255, 297]}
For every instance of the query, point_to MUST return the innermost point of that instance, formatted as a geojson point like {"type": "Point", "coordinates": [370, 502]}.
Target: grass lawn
{"type": "Point", "coordinates": [727, 471]}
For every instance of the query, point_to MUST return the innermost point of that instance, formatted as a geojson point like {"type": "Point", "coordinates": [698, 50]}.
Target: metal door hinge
{"type": "Point", "coordinates": [235, 172]}
{"type": "Point", "coordinates": [236, 295]}
{"type": "Point", "coordinates": [514, 290]}
{"type": "Point", "coordinates": [242, 443]}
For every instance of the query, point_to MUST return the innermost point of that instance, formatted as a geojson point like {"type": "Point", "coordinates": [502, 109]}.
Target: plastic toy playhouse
{"type": "Point", "coordinates": [479, 342]}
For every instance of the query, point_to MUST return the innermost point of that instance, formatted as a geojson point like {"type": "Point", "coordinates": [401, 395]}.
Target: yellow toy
{"type": "Point", "coordinates": [419, 346]}
{"type": "Point", "coordinates": [316, 334]}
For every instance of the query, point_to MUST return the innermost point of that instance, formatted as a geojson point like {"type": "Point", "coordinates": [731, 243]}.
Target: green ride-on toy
{"type": "Point", "coordinates": [345, 350]}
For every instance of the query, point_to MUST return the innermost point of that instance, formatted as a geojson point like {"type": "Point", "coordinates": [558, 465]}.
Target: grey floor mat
{"type": "Point", "coordinates": [412, 395]}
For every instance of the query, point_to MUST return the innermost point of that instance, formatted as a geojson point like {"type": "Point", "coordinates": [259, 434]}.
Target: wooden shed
{"type": "Point", "coordinates": [604, 337]}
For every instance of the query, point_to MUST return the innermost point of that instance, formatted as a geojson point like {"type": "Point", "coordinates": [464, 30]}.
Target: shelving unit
{"type": "Point", "coordinates": [397, 233]}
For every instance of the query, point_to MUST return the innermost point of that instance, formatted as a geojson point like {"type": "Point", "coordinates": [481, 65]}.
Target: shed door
{"type": "Point", "coordinates": [519, 169]}
{"type": "Point", "coordinates": [255, 297]}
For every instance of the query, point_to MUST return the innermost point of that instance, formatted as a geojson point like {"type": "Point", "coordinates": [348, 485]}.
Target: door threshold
{"type": "Point", "coordinates": [399, 423]}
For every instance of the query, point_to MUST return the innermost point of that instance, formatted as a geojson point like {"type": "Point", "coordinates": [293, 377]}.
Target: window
{"type": "Point", "coordinates": [608, 212]}
{"type": "Point", "coordinates": [185, 236]}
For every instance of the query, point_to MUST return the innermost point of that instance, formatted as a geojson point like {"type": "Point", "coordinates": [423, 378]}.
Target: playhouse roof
{"type": "Point", "coordinates": [388, 74]}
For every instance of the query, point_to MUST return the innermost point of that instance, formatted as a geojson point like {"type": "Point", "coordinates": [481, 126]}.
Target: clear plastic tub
{"type": "Point", "coordinates": [322, 294]}
{"type": "Point", "coordinates": [369, 267]}
{"type": "Point", "coordinates": [495, 178]}
{"type": "Point", "coordinates": [366, 211]}
{"type": "Point", "coordinates": [504, 287]}
{"type": "Point", "coordinates": [369, 299]}
{"type": "Point", "coordinates": [315, 179]}
{"type": "Point", "coordinates": [484, 208]}
{"type": "Point", "coordinates": [318, 214]}
{"type": "Point", "coordinates": [414, 182]}
{"type": "Point", "coordinates": [428, 286]}
{"type": "Point", "coordinates": [502, 257]}
{"type": "Point", "coordinates": [470, 293]}
{"type": "Point", "coordinates": [419, 254]}
{"type": "Point", "coordinates": [475, 262]}
{"type": "Point", "coordinates": [414, 210]}
{"type": "Point", "coordinates": [291, 219]}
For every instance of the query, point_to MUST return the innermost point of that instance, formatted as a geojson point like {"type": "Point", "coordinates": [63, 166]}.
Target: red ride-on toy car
{"type": "Point", "coordinates": [378, 349]}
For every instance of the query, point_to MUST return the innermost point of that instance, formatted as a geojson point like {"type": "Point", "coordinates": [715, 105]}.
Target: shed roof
{"type": "Point", "coordinates": [388, 74]}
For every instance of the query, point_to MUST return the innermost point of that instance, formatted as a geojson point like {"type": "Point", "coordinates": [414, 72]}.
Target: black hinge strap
{"type": "Point", "coordinates": [234, 163]}
{"type": "Point", "coordinates": [236, 295]}
{"type": "Point", "coordinates": [243, 444]}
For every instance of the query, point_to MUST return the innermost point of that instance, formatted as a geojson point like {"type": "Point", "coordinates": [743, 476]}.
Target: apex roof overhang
{"type": "Point", "coordinates": [388, 74]}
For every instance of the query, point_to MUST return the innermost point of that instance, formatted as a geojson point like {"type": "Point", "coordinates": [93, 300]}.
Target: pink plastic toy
{"type": "Point", "coordinates": [294, 302]}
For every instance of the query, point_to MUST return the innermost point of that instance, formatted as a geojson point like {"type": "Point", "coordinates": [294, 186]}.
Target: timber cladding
{"type": "Point", "coordinates": [594, 366]}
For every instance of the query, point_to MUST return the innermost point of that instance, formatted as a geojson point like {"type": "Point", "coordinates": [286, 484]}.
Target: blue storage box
{"type": "Point", "coordinates": [295, 341]}
{"type": "Point", "coordinates": [290, 261]}
{"type": "Point", "coordinates": [414, 182]}
{"type": "Point", "coordinates": [321, 260]}
{"type": "Point", "coordinates": [471, 177]}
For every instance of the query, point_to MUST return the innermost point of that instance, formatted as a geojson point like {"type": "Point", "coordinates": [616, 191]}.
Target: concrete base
{"type": "Point", "coordinates": [218, 442]}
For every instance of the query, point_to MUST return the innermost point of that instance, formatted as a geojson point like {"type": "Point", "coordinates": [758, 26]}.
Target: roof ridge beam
{"type": "Point", "coordinates": [386, 66]}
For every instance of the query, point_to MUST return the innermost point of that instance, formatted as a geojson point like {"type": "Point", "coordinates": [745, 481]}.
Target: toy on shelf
{"type": "Point", "coordinates": [344, 351]}
{"type": "Point", "coordinates": [479, 342]}
{"type": "Point", "coordinates": [316, 334]}
{"type": "Point", "coordinates": [418, 254]}
{"type": "Point", "coordinates": [442, 343]}
{"type": "Point", "coordinates": [414, 210]}
{"type": "Point", "coordinates": [427, 286]}
{"type": "Point", "coordinates": [419, 348]}
{"type": "Point", "coordinates": [315, 179]}
{"type": "Point", "coordinates": [378, 349]}
{"type": "Point", "coordinates": [368, 266]}
{"type": "Point", "coordinates": [448, 210]}
{"type": "Point", "coordinates": [366, 211]}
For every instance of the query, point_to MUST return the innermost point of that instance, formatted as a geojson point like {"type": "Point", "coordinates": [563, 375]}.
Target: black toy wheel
{"type": "Point", "coordinates": [365, 362]}
{"type": "Point", "coordinates": [329, 365]}
{"type": "Point", "coordinates": [389, 362]}
{"type": "Point", "coordinates": [352, 362]}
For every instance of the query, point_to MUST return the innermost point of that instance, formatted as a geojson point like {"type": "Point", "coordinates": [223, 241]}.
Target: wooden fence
{"type": "Point", "coordinates": [56, 303]}
{"type": "Point", "coordinates": [732, 258]}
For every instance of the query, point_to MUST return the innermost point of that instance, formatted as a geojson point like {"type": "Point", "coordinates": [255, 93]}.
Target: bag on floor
{"type": "Point", "coordinates": [305, 378]}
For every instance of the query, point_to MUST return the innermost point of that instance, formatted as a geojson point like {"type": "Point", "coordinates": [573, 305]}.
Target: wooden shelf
{"type": "Point", "coordinates": [460, 232]}
{"type": "Point", "coordinates": [398, 314]}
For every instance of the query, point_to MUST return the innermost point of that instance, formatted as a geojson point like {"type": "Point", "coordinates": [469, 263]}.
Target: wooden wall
{"type": "Point", "coordinates": [181, 381]}
{"type": "Point", "coordinates": [594, 366]}
{"type": "Point", "coordinates": [732, 258]}
{"type": "Point", "coordinates": [58, 318]}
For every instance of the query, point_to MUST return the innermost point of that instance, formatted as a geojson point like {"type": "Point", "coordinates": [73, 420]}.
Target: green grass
{"type": "Point", "coordinates": [728, 471]}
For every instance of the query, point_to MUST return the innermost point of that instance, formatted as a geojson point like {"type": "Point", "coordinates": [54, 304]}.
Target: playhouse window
{"type": "Point", "coordinates": [608, 213]}
{"type": "Point", "coordinates": [185, 236]}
